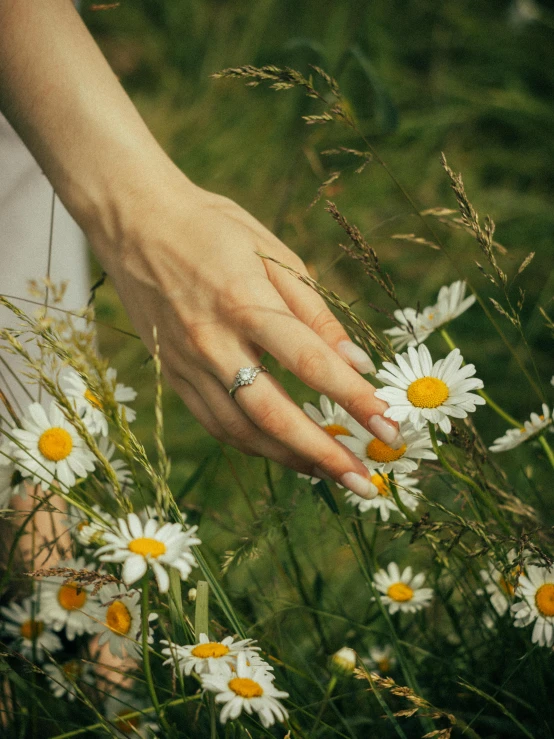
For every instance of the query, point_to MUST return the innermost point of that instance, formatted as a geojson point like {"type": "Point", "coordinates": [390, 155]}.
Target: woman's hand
{"type": "Point", "coordinates": [185, 260]}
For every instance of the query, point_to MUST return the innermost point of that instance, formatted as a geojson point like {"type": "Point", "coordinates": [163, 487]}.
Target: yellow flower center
{"type": "Point", "coordinates": [210, 649]}
{"type": "Point", "coordinates": [71, 597]}
{"type": "Point", "coordinates": [335, 429]}
{"type": "Point", "coordinates": [383, 665]}
{"type": "Point", "coordinates": [93, 399]}
{"type": "Point", "coordinates": [381, 482]}
{"type": "Point", "coordinates": [506, 587]}
{"type": "Point", "coordinates": [55, 444]}
{"type": "Point", "coordinates": [146, 546]}
{"type": "Point", "coordinates": [31, 629]}
{"type": "Point", "coordinates": [544, 599]}
{"type": "Point", "coordinates": [72, 669]}
{"type": "Point", "coordinates": [245, 687]}
{"type": "Point", "coordinates": [400, 592]}
{"type": "Point", "coordinates": [427, 392]}
{"type": "Point", "coordinates": [127, 725]}
{"type": "Point", "coordinates": [378, 451]}
{"type": "Point", "coordinates": [118, 618]}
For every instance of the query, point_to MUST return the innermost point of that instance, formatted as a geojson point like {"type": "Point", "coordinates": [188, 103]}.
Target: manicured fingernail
{"type": "Point", "coordinates": [355, 355]}
{"type": "Point", "coordinates": [359, 485]}
{"type": "Point", "coordinates": [386, 431]}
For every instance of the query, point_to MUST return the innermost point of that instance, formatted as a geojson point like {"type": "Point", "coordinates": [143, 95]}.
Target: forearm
{"type": "Point", "coordinates": [61, 96]}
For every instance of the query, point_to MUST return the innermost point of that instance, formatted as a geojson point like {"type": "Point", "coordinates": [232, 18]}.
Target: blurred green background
{"type": "Point", "coordinates": [472, 79]}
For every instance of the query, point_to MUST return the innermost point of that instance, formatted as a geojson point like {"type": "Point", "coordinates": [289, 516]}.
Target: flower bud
{"type": "Point", "coordinates": [343, 662]}
{"type": "Point", "coordinates": [191, 595]}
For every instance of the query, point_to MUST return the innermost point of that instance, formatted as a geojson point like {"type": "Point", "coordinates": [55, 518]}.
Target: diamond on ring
{"type": "Point", "coordinates": [246, 376]}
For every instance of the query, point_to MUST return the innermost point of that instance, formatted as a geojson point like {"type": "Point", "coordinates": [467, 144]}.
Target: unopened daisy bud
{"type": "Point", "coordinates": [191, 595]}
{"type": "Point", "coordinates": [343, 662]}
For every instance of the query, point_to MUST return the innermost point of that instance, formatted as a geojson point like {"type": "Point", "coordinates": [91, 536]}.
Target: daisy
{"type": "Point", "coordinates": [420, 391]}
{"type": "Point", "coordinates": [90, 407]}
{"type": "Point", "coordinates": [20, 622]}
{"type": "Point", "coordinates": [89, 532]}
{"type": "Point", "coordinates": [343, 662]}
{"type": "Point", "coordinates": [69, 605]}
{"type": "Point", "coordinates": [416, 327]}
{"type": "Point", "coordinates": [62, 678]}
{"type": "Point", "coordinates": [377, 455]}
{"type": "Point", "coordinates": [122, 395]}
{"type": "Point", "coordinates": [380, 660]}
{"type": "Point", "coordinates": [157, 545]}
{"type": "Point", "coordinates": [500, 590]}
{"type": "Point", "coordinates": [334, 420]}
{"type": "Point", "coordinates": [402, 592]}
{"type": "Point", "coordinates": [383, 501]}
{"type": "Point", "coordinates": [533, 427]}
{"type": "Point", "coordinates": [121, 470]}
{"type": "Point", "coordinates": [249, 689]}
{"type": "Point", "coordinates": [120, 621]}
{"type": "Point", "coordinates": [536, 591]}
{"type": "Point", "coordinates": [50, 448]}
{"type": "Point", "coordinates": [208, 656]}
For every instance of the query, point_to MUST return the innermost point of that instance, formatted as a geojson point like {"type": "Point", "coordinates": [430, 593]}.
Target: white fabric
{"type": "Point", "coordinates": [25, 220]}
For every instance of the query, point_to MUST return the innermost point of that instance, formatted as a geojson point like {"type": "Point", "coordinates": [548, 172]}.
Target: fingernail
{"type": "Point", "coordinates": [357, 357]}
{"type": "Point", "coordinates": [359, 485]}
{"type": "Point", "coordinates": [386, 431]}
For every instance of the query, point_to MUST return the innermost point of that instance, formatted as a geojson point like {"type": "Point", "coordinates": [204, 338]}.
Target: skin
{"type": "Point", "coordinates": [181, 258]}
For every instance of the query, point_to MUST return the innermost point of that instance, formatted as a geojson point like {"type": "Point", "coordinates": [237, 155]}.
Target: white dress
{"type": "Point", "coordinates": [25, 222]}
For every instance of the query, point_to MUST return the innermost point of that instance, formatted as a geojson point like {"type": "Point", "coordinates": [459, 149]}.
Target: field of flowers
{"type": "Point", "coordinates": [192, 592]}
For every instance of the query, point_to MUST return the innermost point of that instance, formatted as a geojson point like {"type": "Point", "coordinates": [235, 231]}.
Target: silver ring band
{"type": "Point", "coordinates": [246, 376]}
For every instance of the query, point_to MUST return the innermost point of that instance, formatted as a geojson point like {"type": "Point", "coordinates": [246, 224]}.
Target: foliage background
{"type": "Point", "coordinates": [467, 78]}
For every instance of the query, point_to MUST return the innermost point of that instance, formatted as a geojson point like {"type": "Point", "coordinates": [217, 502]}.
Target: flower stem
{"type": "Point", "coordinates": [146, 654]}
{"type": "Point", "coordinates": [547, 448]}
{"type": "Point", "coordinates": [401, 507]}
{"type": "Point", "coordinates": [326, 697]}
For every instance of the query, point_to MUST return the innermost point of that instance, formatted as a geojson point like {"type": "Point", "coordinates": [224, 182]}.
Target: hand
{"type": "Point", "coordinates": [187, 263]}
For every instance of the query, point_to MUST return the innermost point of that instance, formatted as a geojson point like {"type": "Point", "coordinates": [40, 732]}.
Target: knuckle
{"type": "Point", "coordinates": [356, 406]}
{"type": "Point", "coordinates": [327, 461]}
{"type": "Point", "coordinates": [325, 321]}
{"type": "Point", "coordinates": [310, 363]}
{"type": "Point", "coordinates": [270, 419]}
{"type": "Point", "coordinates": [241, 432]}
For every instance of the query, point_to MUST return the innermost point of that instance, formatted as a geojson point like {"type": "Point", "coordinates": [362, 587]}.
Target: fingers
{"type": "Point", "coordinates": [312, 310]}
{"type": "Point", "coordinates": [308, 356]}
{"type": "Point", "coordinates": [278, 418]}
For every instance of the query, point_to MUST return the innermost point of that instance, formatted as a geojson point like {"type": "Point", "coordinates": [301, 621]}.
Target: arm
{"type": "Point", "coordinates": [181, 258]}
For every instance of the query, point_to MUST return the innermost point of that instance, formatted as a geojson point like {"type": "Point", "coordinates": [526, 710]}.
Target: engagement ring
{"type": "Point", "coordinates": [246, 376]}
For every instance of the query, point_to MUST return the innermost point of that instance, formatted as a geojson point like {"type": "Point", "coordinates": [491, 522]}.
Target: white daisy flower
{"type": "Point", "coordinates": [207, 656]}
{"type": "Point", "coordinates": [416, 327]}
{"type": "Point", "coordinates": [420, 391]}
{"type": "Point", "coordinates": [122, 472]}
{"type": "Point", "coordinates": [62, 678]}
{"type": "Point", "coordinates": [343, 661]}
{"type": "Point", "coordinates": [500, 590]}
{"type": "Point", "coordinates": [536, 591]}
{"type": "Point", "coordinates": [249, 689]}
{"type": "Point", "coordinates": [381, 660]}
{"type": "Point", "coordinates": [383, 501]}
{"type": "Point", "coordinates": [157, 545]}
{"type": "Point", "coordinates": [20, 622]}
{"type": "Point", "coordinates": [534, 426]}
{"type": "Point", "coordinates": [50, 448]}
{"type": "Point", "coordinates": [379, 456]}
{"type": "Point", "coordinates": [122, 394]}
{"type": "Point", "coordinates": [411, 331]}
{"type": "Point", "coordinates": [334, 420]}
{"type": "Point", "coordinates": [121, 705]}
{"type": "Point", "coordinates": [89, 532]}
{"type": "Point", "coordinates": [402, 592]}
{"type": "Point", "coordinates": [90, 407]}
{"type": "Point", "coordinates": [69, 605]}
{"type": "Point", "coordinates": [121, 621]}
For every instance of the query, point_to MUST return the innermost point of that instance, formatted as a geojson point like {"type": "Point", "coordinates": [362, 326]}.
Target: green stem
{"type": "Point", "coordinates": [146, 654]}
{"type": "Point", "coordinates": [547, 448]}
{"type": "Point", "coordinates": [401, 507]}
{"type": "Point", "coordinates": [326, 697]}
{"type": "Point", "coordinates": [490, 402]}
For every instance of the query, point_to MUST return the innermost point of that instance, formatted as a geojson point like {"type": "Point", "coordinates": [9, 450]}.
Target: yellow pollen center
{"type": "Point", "coordinates": [72, 669]}
{"type": "Point", "coordinates": [506, 587]}
{"type": "Point", "coordinates": [93, 399]}
{"type": "Point", "coordinates": [71, 597]}
{"type": "Point", "coordinates": [127, 725]}
{"type": "Point", "coordinates": [245, 687]}
{"type": "Point", "coordinates": [210, 649]}
{"type": "Point", "coordinates": [335, 429]}
{"type": "Point", "coordinates": [146, 546]}
{"type": "Point", "coordinates": [427, 392]}
{"type": "Point", "coordinates": [383, 665]}
{"type": "Point", "coordinates": [400, 592]}
{"type": "Point", "coordinates": [544, 599]}
{"type": "Point", "coordinates": [55, 444]}
{"type": "Point", "coordinates": [381, 452]}
{"type": "Point", "coordinates": [31, 629]}
{"type": "Point", "coordinates": [118, 618]}
{"type": "Point", "coordinates": [381, 482]}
